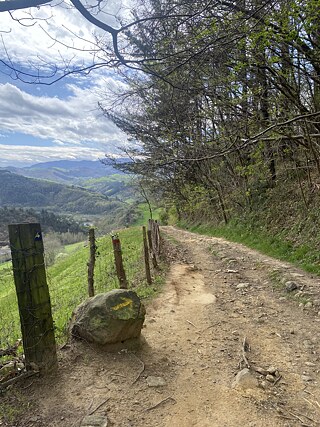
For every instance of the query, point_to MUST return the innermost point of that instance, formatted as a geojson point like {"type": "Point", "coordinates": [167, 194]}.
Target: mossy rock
{"type": "Point", "coordinates": [109, 318]}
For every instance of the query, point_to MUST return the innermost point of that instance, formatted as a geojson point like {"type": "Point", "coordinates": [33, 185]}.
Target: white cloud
{"type": "Point", "coordinates": [24, 154]}
{"type": "Point", "coordinates": [74, 120]}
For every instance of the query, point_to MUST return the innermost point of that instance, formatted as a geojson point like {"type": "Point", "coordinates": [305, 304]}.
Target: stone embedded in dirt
{"type": "Point", "coordinates": [308, 305]}
{"type": "Point", "coordinates": [155, 381]}
{"type": "Point", "coordinates": [243, 285]}
{"type": "Point", "coordinates": [244, 379]}
{"type": "Point", "coordinates": [272, 370]}
{"type": "Point", "coordinates": [291, 286]}
{"type": "Point", "coordinates": [94, 421]}
{"type": "Point", "coordinates": [113, 317]}
{"type": "Point", "coordinates": [306, 378]}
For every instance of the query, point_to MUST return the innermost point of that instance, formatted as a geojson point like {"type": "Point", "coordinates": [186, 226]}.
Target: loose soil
{"type": "Point", "coordinates": [217, 295]}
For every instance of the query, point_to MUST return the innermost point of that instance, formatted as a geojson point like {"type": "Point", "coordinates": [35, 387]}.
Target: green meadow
{"type": "Point", "coordinates": [67, 281]}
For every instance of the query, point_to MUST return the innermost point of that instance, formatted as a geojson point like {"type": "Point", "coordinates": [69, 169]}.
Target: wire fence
{"type": "Point", "coordinates": [68, 283]}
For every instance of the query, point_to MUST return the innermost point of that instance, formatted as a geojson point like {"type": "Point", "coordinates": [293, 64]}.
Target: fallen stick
{"type": "Point", "coordinates": [277, 380]}
{"type": "Point", "coordinates": [300, 419]}
{"type": "Point", "coordinates": [141, 371]}
{"type": "Point", "coordinates": [10, 350]}
{"type": "Point", "coordinates": [117, 375]}
{"type": "Point", "coordinates": [99, 406]}
{"type": "Point", "coordinates": [160, 403]}
{"type": "Point", "coordinates": [14, 380]}
{"type": "Point", "coordinates": [191, 323]}
{"type": "Point", "coordinates": [244, 349]}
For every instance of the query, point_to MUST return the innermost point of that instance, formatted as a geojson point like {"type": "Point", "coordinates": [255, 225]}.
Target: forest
{"type": "Point", "coordinates": [224, 99]}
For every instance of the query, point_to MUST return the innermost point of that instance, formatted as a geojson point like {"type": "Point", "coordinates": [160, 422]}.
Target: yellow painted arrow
{"type": "Point", "coordinates": [125, 303]}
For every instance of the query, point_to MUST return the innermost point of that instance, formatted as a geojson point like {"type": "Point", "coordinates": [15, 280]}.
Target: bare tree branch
{"type": "Point", "coordinates": [9, 5]}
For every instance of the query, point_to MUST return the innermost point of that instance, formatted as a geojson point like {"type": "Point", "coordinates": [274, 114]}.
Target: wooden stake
{"type": "Point", "coordinates": [33, 296]}
{"type": "Point", "coordinates": [146, 256]}
{"type": "Point", "coordinates": [152, 254]}
{"type": "Point", "coordinates": [91, 262]}
{"type": "Point", "coordinates": [119, 262]}
{"type": "Point", "coordinates": [158, 238]}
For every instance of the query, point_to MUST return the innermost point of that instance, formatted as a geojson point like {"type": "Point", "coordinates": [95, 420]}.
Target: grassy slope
{"type": "Point", "coordinates": [67, 281]}
{"type": "Point", "coordinates": [144, 214]}
{"type": "Point", "coordinates": [17, 190]}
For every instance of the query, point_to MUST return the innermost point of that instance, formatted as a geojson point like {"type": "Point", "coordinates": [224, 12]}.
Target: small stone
{"type": "Point", "coordinates": [242, 285]}
{"type": "Point", "coordinates": [307, 344]}
{"type": "Point", "coordinates": [308, 305]}
{"type": "Point", "coordinates": [292, 331]}
{"type": "Point", "coordinates": [155, 381]}
{"type": "Point", "coordinates": [291, 286]}
{"type": "Point", "coordinates": [94, 421]}
{"type": "Point", "coordinates": [245, 380]}
{"type": "Point", "coordinates": [272, 370]}
{"type": "Point", "coordinates": [306, 378]}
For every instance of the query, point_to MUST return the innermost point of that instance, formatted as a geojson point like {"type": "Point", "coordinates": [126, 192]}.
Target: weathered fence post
{"type": "Point", "coordinates": [33, 297]}
{"type": "Point", "coordinates": [151, 243]}
{"type": "Point", "coordinates": [91, 262]}
{"type": "Point", "coordinates": [146, 256]}
{"type": "Point", "coordinates": [119, 262]}
{"type": "Point", "coordinates": [158, 237]}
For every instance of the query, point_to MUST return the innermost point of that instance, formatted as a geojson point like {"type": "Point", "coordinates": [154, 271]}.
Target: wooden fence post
{"type": "Point", "coordinates": [33, 297]}
{"type": "Point", "coordinates": [146, 256]}
{"type": "Point", "coordinates": [91, 262]}
{"type": "Point", "coordinates": [158, 237]}
{"type": "Point", "coordinates": [151, 244]}
{"type": "Point", "coordinates": [119, 262]}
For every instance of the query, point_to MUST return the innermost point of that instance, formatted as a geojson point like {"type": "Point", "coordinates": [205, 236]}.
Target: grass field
{"type": "Point", "coordinates": [67, 280]}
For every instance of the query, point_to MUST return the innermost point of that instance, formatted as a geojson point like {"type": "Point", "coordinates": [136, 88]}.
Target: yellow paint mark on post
{"type": "Point", "coordinates": [125, 303]}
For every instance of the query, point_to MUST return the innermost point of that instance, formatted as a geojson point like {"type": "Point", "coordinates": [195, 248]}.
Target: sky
{"type": "Point", "coordinates": [40, 123]}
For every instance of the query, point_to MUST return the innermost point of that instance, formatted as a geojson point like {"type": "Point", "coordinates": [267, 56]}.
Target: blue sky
{"type": "Point", "coordinates": [62, 121]}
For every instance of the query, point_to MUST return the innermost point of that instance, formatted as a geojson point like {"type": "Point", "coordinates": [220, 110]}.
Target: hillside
{"type": "Point", "coordinates": [17, 190]}
{"type": "Point", "coordinates": [114, 186]}
{"type": "Point", "coordinates": [49, 221]}
{"type": "Point", "coordinates": [65, 171]}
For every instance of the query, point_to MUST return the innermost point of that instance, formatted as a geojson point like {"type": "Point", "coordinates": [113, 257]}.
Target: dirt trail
{"type": "Point", "coordinates": [216, 294]}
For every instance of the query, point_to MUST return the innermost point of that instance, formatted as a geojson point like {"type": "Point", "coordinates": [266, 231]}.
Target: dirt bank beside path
{"type": "Point", "coordinates": [221, 309]}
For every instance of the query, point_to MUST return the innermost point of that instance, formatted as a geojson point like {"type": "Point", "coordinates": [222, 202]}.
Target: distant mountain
{"type": "Point", "coordinates": [65, 171]}
{"type": "Point", "coordinates": [19, 191]}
